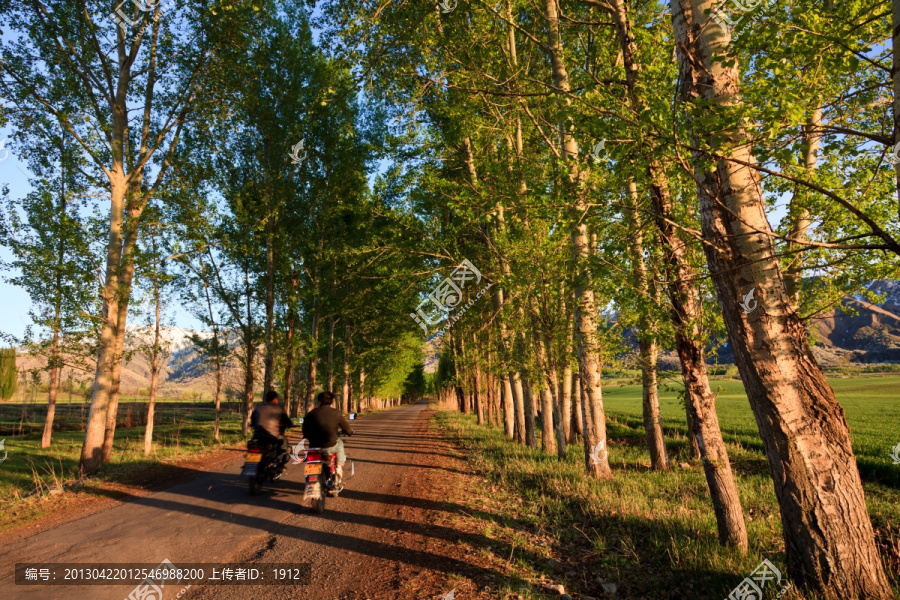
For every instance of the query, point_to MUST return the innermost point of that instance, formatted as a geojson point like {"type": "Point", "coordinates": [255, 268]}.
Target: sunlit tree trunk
{"type": "Point", "coordinates": [700, 401]}
{"type": "Point", "coordinates": [586, 321]}
{"type": "Point", "coordinates": [55, 372]}
{"type": "Point", "coordinates": [96, 421]}
{"type": "Point", "coordinates": [362, 389]}
{"type": "Point", "coordinates": [345, 387]}
{"type": "Point", "coordinates": [828, 537]}
{"type": "Point", "coordinates": [647, 344]}
{"type": "Point", "coordinates": [155, 356]}
{"type": "Point", "coordinates": [126, 278]}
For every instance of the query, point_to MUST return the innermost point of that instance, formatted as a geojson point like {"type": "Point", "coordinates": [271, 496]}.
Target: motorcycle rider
{"type": "Point", "coordinates": [320, 427]}
{"type": "Point", "coordinates": [269, 420]}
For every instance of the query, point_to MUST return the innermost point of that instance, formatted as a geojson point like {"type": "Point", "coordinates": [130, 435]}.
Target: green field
{"type": "Point", "coordinates": [654, 533]}
{"type": "Point", "coordinates": [871, 404]}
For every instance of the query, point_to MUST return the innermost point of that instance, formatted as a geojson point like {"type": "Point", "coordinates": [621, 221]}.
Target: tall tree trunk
{"type": "Point", "coordinates": [250, 347]}
{"type": "Point", "coordinates": [269, 360]}
{"type": "Point", "coordinates": [647, 344]}
{"type": "Point", "coordinates": [154, 375]}
{"type": "Point", "coordinates": [103, 379]}
{"type": "Point", "coordinates": [218, 355]}
{"type": "Point", "coordinates": [566, 383]}
{"type": "Point", "coordinates": [289, 356]}
{"type": "Point", "coordinates": [478, 391]}
{"type": "Point", "coordinates": [558, 424]}
{"type": "Point", "coordinates": [218, 398]}
{"type": "Point", "coordinates": [362, 388]}
{"type": "Point", "coordinates": [895, 81]}
{"type": "Point", "coordinates": [700, 402]}
{"type": "Point", "coordinates": [54, 361]}
{"type": "Point", "coordinates": [330, 373]}
{"type": "Point", "coordinates": [646, 334]}
{"type": "Point", "coordinates": [652, 425]}
{"type": "Point", "coordinates": [706, 436]}
{"type": "Point", "coordinates": [478, 395]}
{"type": "Point", "coordinates": [548, 443]}
{"type": "Point", "coordinates": [503, 342]}
{"type": "Point", "coordinates": [586, 323]}
{"type": "Point", "coordinates": [508, 407]}
{"type": "Point", "coordinates": [566, 393]}
{"type": "Point", "coordinates": [577, 411]}
{"type": "Point", "coordinates": [548, 433]}
{"type": "Point", "coordinates": [800, 219]}
{"type": "Point", "coordinates": [126, 277]}
{"type": "Point", "coordinates": [529, 408]}
{"type": "Point", "coordinates": [518, 399]}
{"type": "Point", "coordinates": [829, 540]}
{"type": "Point", "coordinates": [345, 388]}
{"type": "Point", "coordinates": [313, 359]}
{"type": "Point", "coordinates": [55, 373]}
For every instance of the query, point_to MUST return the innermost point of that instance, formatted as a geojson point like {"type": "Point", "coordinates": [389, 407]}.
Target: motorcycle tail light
{"type": "Point", "coordinates": [254, 450]}
{"type": "Point", "coordinates": [313, 457]}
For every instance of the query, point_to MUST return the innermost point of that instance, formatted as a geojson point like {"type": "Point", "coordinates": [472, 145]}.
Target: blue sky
{"type": "Point", "coordinates": [14, 302]}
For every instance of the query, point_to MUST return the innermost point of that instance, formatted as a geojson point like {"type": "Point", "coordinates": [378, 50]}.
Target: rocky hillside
{"type": "Point", "coordinates": [863, 332]}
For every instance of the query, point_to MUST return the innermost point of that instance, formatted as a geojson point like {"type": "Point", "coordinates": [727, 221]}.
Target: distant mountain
{"type": "Point", "coordinates": [872, 335]}
{"type": "Point", "coordinates": [861, 333]}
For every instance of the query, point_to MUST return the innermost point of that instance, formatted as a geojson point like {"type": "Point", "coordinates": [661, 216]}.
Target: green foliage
{"type": "Point", "coordinates": [415, 386]}
{"type": "Point", "coordinates": [390, 377]}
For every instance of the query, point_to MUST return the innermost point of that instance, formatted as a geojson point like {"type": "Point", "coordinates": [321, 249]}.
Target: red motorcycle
{"type": "Point", "coordinates": [320, 471]}
{"type": "Point", "coordinates": [322, 478]}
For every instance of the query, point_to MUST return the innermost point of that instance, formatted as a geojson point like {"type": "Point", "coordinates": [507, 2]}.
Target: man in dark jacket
{"type": "Point", "coordinates": [269, 420]}
{"type": "Point", "coordinates": [320, 427]}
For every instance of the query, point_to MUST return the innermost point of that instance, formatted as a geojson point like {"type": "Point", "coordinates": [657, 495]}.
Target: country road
{"type": "Point", "coordinates": [361, 547]}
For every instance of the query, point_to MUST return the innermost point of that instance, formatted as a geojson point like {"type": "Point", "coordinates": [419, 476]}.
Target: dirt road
{"type": "Point", "coordinates": [366, 545]}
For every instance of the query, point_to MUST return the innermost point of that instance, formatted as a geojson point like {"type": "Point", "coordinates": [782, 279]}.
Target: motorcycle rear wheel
{"type": "Point", "coordinates": [254, 485]}
{"type": "Point", "coordinates": [318, 505]}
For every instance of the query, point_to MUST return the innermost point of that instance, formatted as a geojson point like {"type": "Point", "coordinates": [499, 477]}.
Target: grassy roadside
{"type": "Point", "coordinates": [651, 535]}
{"type": "Point", "coordinates": [37, 483]}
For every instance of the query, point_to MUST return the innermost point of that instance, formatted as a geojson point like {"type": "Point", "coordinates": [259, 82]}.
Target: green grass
{"type": "Point", "coordinates": [871, 405]}
{"type": "Point", "coordinates": [654, 534]}
{"type": "Point", "coordinates": [180, 430]}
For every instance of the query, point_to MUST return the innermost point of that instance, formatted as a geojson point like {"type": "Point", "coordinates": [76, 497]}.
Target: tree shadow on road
{"type": "Point", "coordinates": [392, 552]}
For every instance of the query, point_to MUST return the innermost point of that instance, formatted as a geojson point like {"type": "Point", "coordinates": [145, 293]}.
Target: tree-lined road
{"type": "Point", "coordinates": [356, 546]}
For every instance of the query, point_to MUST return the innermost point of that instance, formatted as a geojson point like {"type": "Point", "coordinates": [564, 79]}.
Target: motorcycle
{"type": "Point", "coordinates": [262, 463]}
{"type": "Point", "coordinates": [322, 478]}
